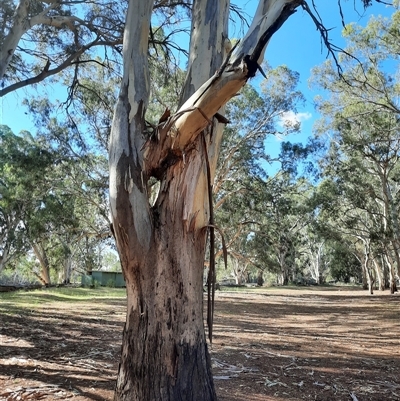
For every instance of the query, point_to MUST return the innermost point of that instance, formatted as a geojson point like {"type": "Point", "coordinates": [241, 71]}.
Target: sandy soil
{"type": "Point", "coordinates": [279, 344]}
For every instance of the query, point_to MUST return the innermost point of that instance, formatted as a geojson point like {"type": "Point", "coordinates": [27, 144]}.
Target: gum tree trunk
{"type": "Point", "coordinates": [41, 256]}
{"type": "Point", "coordinates": [162, 248]}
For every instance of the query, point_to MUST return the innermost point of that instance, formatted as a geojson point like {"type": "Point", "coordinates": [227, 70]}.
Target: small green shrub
{"type": "Point", "coordinates": [110, 283]}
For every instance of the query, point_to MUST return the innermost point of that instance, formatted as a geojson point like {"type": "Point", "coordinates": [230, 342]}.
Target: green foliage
{"type": "Point", "coordinates": [54, 183]}
{"type": "Point", "coordinates": [110, 262]}
{"type": "Point", "coordinates": [358, 199]}
{"type": "Point", "coordinates": [85, 28]}
{"type": "Point", "coordinates": [110, 283]}
{"type": "Point", "coordinates": [26, 199]}
{"type": "Point", "coordinates": [263, 217]}
{"type": "Point", "coordinates": [51, 201]}
{"type": "Point", "coordinates": [344, 264]}
{"type": "Point", "coordinates": [20, 270]}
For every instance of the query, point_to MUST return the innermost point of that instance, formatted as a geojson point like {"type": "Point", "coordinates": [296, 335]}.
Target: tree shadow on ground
{"type": "Point", "coordinates": [71, 346]}
{"type": "Point", "coordinates": [320, 346]}
{"type": "Point", "coordinates": [287, 345]}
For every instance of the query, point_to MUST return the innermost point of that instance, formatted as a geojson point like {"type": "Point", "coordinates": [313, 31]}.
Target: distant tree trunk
{"type": "Point", "coordinates": [365, 259]}
{"type": "Point", "coordinates": [283, 276]}
{"type": "Point", "coordinates": [385, 270]}
{"type": "Point", "coordinates": [260, 278]}
{"type": "Point", "coordinates": [162, 247]}
{"type": "Point", "coordinates": [392, 274]}
{"type": "Point", "coordinates": [67, 269]}
{"type": "Point", "coordinates": [379, 275]}
{"type": "Point", "coordinates": [3, 258]}
{"type": "Point", "coordinates": [41, 256]}
{"type": "Point", "coordinates": [237, 273]}
{"type": "Point", "coordinates": [370, 275]}
{"type": "Point", "coordinates": [6, 242]}
{"type": "Point", "coordinates": [364, 275]}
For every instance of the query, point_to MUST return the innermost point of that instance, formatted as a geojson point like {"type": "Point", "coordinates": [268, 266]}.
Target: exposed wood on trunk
{"type": "Point", "coordinates": [178, 133]}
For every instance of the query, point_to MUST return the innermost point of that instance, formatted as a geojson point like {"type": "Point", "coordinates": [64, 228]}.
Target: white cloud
{"type": "Point", "coordinates": [290, 118]}
{"type": "Point", "coordinates": [279, 137]}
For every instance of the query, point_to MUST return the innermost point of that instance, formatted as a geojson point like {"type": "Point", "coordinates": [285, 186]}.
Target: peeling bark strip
{"type": "Point", "coordinates": [211, 279]}
{"type": "Point", "coordinates": [162, 248]}
{"type": "Point", "coordinates": [181, 129]}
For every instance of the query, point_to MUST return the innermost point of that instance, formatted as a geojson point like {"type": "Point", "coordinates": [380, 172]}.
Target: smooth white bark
{"type": "Point", "coordinates": [22, 23]}
{"type": "Point", "coordinates": [19, 27]}
{"type": "Point", "coordinates": [127, 140]}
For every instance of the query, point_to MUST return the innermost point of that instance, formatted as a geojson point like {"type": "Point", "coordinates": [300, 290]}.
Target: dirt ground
{"type": "Point", "coordinates": [278, 344]}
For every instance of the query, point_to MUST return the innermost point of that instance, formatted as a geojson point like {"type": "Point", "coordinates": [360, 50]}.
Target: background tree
{"type": "Point", "coordinates": [240, 174]}
{"type": "Point", "coordinates": [24, 167]}
{"type": "Point", "coordinates": [362, 118]}
{"type": "Point", "coordinates": [49, 203]}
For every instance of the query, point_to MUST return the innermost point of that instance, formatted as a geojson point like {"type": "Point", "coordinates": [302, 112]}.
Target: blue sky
{"type": "Point", "coordinates": [297, 44]}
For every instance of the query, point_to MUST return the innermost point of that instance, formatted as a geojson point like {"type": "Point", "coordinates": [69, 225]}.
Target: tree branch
{"type": "Point", "coordinates": [47, 72]}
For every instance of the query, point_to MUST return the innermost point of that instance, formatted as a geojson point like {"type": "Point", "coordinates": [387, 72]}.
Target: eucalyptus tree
{"type": "Point", "coordinates": [344, 264]}
{"type": "Point", "coordinates": [240, 173]}
{"type": "Point", "coordinates": [12, 202]}
{"type": "Point", "coordinates": [362, 118]}
{"type": "Point", "coordinates": [49, 202]}
{"type": "Point", "coordinates": [42, 38]}
{"type": "Point", "coordinates": [279, 237]}
{"type": "Point", "coordinates": [28, 201]}
{"type": "Point", "coordinates": [162, 246]}
{"type": "Point", "coordinates": [350, 215]}
{"type": "Point", "coordinates": [317, 258]}
{"type": "Point", "coordinates": [84, 182]}
{"type": "Point", "coordinates": [332, 225]}
{"type": "Point", "coordinates": [24, 166]}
